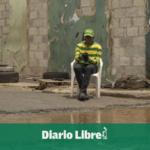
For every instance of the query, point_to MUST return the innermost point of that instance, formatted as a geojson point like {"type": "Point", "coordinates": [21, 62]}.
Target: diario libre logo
{"type": "Point", "coordinates": [83, 135]}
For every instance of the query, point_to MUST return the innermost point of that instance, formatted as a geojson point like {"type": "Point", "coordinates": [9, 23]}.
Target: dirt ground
{"type": "Point", "coordinates": [22, 103]}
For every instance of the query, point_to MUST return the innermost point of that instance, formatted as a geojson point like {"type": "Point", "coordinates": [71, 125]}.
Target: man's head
{"type": "Point", "coordinates": [89, 36]}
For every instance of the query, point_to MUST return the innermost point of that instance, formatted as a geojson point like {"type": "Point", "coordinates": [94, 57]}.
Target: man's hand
{"type": "Point", "coordinates": [85, 56]}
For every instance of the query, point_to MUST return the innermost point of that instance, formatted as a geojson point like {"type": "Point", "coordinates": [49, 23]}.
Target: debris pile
{"type": "Point", "coordinates": [129, 82]}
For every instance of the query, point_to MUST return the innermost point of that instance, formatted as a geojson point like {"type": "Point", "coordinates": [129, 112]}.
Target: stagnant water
{"type": "Point", "coordinates": [118, 115]}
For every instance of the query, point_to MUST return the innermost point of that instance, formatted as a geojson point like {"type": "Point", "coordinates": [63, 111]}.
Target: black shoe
{"type": "Point", "coordinates": [81, 96]}
{"type": "Point", "coordinates": [86, 97]}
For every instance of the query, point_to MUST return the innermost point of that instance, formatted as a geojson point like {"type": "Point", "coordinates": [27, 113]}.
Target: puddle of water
{"type": "Point", "coordinates": [119, 115]}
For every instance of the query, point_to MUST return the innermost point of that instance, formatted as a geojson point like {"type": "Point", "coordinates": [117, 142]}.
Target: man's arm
{"type": "Point", "coordinates": [78, 55]}
{"type": "Point", "coordinates": [97, 58]}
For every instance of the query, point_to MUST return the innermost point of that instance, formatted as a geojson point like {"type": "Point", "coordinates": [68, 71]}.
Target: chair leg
{"type": "Point", "coordinates": [98, 87]}
{"type": "Point", "coordinates": [71, 89]}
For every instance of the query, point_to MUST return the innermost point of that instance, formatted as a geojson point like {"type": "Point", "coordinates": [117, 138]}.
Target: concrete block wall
{"type": "Point", "coordinates": [38, 37]}
{"type": "Point", "coordinates": [127, 28]}
{"type": "Point", "coordinates": [4, 21]}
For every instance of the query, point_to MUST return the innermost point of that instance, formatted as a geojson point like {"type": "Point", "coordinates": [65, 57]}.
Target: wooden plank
{"type": "Point", "coordinates": [54, 81]}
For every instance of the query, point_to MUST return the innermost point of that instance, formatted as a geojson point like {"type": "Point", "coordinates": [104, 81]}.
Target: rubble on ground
{"type": "Point", "coordinates": [129, 82]}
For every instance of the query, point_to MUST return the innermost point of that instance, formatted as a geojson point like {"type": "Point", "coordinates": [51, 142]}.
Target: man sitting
{"type": "Point", "coordinates": [87, 58]}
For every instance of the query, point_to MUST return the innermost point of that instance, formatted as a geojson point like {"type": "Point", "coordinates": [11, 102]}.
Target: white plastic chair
{"type": "Point", "coordinates": [97, 75]}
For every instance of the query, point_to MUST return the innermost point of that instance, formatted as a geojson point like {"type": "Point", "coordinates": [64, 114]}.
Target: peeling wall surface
{"type": "Point", "coordinates": [68, 20]}
{"type": "Point", "coordinates": [148, 41]}
{"type": "Point", "coordinates": [4, 22]}
{"type": "Point", "coordinates": [14, 45]}
{"type": "Point", "coordinates": [41, 35]}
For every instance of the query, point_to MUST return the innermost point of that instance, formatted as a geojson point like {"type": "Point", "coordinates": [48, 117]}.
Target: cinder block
{"type": "Point", "coordinates": [33, 46]}
{"type": "Point", "coordinates": [125, 41]}
{"type": "Point", "coordinates": [139, 2]}
{"type": "Point", "coordinates": [0, 32]}
{"type": "Point", "coordinates": [2, 7]}
{"type": "Point", "coordinates": [33, 14]}
{"type": "Point", "coordinates": [7, 6]}
{"type": "Point", "coordinates": [45, 38]}
{"type": "Point", "coordinates": [132, 51]}
{"type": "Point", "coordinates": [139, 41]}
{"type": "Point", "coordinates": [126, 3]}
{"type": "Point", "coordinates": [142, 11]}
{"type": "Point", "coordinates": [45, 22]}
{"type": "Point", "coordinates": [116, 42]}
{"type": "Point", "coordinates": [126, 22]}
{"type": "Point", "coordinates": [33, 31]}
{"type": "Point", "coordinates": [132, 12]}
{"type": "Point", "coordinates": [125, 61]}
{"type": "Point", "coordinates": [37, 39]}
{"type": "Point", "coordinates": [115, 4]}
{"type": "Point", "coordinates": [118, 32]}
{"type": "Point", "coordinates": [43, 14]}
{"type": "Point", "coordinates": [120, 13]}
{"type": "Point", "coordinates": [5, 14]}
{"type": "Point", "coordinates": [142, 31]}
{"type": "Point", "coordinates": [7, 21]}
{"type": "Point", "coordinates": [115, 62]}
{"type": "Point", "coordinates": [45, 6]}
{"type": "Point", "coordinates": [121, 72]}
{"type": "Point", "coordinates": [138, 22]}
{"type": "Point", "coordinates": [43, 47]}
{"type": "Point", "coordinates": [117, 52]}
{"type": "Point", "coordinates": [38, 55]}
{"type": "Point", "coordinates": [109, 4]}
{"type": "Point", "coordinates": [32, 6]}
{"type": "Point", "coordinates": [46, 54]}
{"type": "Point", "coordinates": [2, 22]}
{"type": "Point", "coordinates": [139, 61]}
{"type": "Point", "coordinates": [86, 11]}
{"type": "Point", "coordinates": [43, 31]}
{"type": "Point", "coordinates": [141, 71]}
{"type": "Point", "coordinates": [132, 31]}
{"type": "Point", "coordinates": [116, 23]}
{"type": "Point", "coordinates": [5, 1]}
{"type": "Point", "coordinates": [85, 3]}
{"type": "Point", "coordinates": [31, 55]}
{"type": "Point", "coordinates": [31, 39]}
{"type": "Point", "coordinates": [131, 70]}
{"type": "Point", "coordinates": [142, 51]}
{"type": "Point", "coordinates": [38, 23]}
{"type": "Point", "coordinates": [38, 6]}
{"type": "Point", "coordinates": [1, 16]}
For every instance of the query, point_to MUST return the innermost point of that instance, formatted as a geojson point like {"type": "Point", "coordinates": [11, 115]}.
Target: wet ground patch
{"type": "Point", "coordinates": [117, 115]}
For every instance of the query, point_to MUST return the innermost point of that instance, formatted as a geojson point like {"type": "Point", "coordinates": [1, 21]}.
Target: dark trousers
{"type": "Point", "coordinates": [83, 73]}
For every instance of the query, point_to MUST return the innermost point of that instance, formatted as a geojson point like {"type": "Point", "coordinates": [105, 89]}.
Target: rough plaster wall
{"type": "Point", "coordinates": [38, 36]}
{"type": "Point", "coordinates": [14, 44]}
{"type": "Point", "coordinates": [4, 22]}
{"type": "Point", "coordinates": [68, 21]}
{"type": "Point", "coordinates": [127, 28]}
